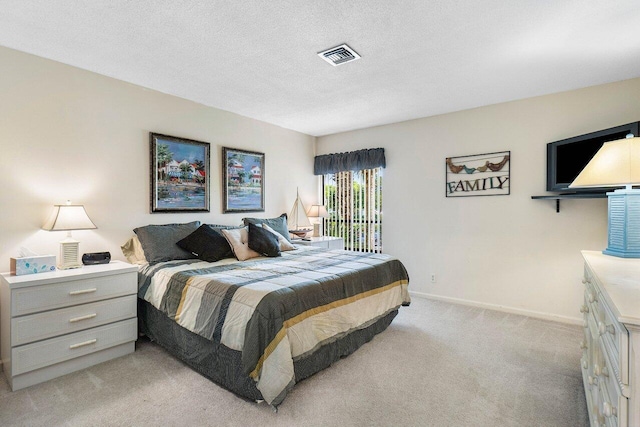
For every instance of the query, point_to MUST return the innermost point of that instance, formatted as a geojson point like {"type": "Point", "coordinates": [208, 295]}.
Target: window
{"type": "Point", "coordinates": [354, 204]}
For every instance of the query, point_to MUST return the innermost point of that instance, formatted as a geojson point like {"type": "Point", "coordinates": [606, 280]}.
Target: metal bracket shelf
{"type": "Point", "coordinates": [558, 197]}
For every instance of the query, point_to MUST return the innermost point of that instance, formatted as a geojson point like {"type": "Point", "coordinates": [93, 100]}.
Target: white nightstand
{"type": "Point", "coordinates": [325, 242]}
{"type": "Point", "coordinates": [63, 321]}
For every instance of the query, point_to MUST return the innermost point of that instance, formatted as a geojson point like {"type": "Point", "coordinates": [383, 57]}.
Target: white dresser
{"type": "Point", "coordinates": [55, 323]}
{"type": "Point", "coordinates": [326, 242]}
{"type": "Point", "coordinates": [611, 347]}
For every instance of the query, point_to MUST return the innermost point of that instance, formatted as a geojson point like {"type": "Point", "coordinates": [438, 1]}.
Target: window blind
{"type": "Point", "coordinates": [354, 205]}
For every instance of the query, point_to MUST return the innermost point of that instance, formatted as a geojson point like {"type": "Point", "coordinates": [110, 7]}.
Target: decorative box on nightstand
{"type": "Point", "coordinates": [325, 242]}
{"type": "Point", "coordinates": [60, 322]}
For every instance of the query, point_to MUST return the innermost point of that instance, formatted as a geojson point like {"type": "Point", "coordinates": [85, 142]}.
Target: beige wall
{"type": "Point", "coordinates": [505, 251]}
{"type": "Point", "coordinates": [66, 133]}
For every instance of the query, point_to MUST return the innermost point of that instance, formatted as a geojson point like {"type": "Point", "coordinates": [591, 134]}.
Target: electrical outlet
{"type": "Point", "coordinates": [433, 278]}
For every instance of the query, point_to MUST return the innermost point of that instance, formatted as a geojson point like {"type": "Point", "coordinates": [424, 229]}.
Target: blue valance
{"type": "Point", "coordinates": [352, 161]}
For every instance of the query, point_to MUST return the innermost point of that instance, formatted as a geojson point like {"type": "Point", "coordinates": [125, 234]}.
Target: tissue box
{"type": "Point", "coordinates": [33, 264]}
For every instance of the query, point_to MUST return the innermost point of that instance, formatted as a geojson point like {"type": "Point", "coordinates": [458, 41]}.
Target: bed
{"type": "Point", "coordinates": [257, 327]}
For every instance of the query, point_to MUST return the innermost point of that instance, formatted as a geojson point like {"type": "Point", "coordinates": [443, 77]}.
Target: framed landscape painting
{"type": "Point", "coordinates": [179, 174]}
{"type": "Point", "coordinates": [242, 181]}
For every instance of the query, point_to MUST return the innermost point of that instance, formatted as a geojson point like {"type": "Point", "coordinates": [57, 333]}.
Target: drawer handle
{"type": "Point", "coordinates": [603, 329]}
{"type": "Point", "coordinates": [591, 297]}
{"type": "Point", "coordinates": [585, 281]}
{"type": "Point", "coordinates": [583, 345]}
{"type": "Point", "coordinates": [609, 410]}
{"type": "Point", "coordinates": [88, 316]}
{"type": "Point", "coordinates": [83, 291]}
{"type": "Point", "coordinates": [585, 365]}
{"type": "Point", "coordinates": [82, 344]}
{"type": "Point", "coordinates": [584, 309]}
{"type": "Point", "coordinates": [592, 380]}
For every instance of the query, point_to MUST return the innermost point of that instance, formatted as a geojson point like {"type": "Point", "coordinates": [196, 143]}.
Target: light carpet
{"type": "Point", "coordinates": [438, 364]}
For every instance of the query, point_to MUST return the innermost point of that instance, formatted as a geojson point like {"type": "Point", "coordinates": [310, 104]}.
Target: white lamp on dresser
{"type": "Point", "coordinates": [617, 164]}
{"type": "Point", "coordinates": [611, 311]}
{"type": "Point", "coordinates": [317, 212]}
{"type": "Point", "coordinates": [67, 218]}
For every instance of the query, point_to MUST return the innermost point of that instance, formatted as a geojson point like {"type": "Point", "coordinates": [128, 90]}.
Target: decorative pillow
{"type": "Point", "coordinates": [284, 244]}
{"type": "Point", "coordinates": [279, 224]}
{"type": "Point", "coordinates": [238, 238]}
{"type": "Point", "coordinates": [159, 241]}
{"type": "Point", "coordinates": [218, 229]}
{"type": "Point", "coordinates": [263, 241]}
{"type": "Point", "coordinates": [132, 250]}
{"type": "Point", "coordinates": [206, 244]}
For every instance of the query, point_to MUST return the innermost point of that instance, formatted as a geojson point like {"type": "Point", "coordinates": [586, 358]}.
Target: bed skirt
{"type": "Point", "coordinates": [224, 366]}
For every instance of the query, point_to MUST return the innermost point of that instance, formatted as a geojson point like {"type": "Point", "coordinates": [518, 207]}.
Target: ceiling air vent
{"type": "Point", "coordinates": [339, 55]}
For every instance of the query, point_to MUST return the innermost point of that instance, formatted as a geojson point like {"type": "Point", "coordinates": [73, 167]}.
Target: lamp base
{"type": "Point", "coordinates": [69, 251]}
{"type": "Point", "coordinates": [316, 230]}
{"type": "Point", "coordinates": [624, 224]}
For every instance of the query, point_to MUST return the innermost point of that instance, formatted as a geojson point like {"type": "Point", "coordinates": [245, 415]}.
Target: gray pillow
{"type": "Point", "coordinates": [279, 224]}
{"type": "Point", "coordinates": [159, 241]}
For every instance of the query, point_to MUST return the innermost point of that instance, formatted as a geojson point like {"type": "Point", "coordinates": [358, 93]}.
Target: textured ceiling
{"type": "Point", "coordinates": [258, 58]}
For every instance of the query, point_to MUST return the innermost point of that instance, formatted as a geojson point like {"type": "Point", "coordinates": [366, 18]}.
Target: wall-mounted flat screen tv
{"type": "Point", "coordinates": [566, 158]}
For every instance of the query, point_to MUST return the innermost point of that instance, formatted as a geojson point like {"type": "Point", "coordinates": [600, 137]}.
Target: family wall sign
{"type": "Point", "coordinates": [478, 175]}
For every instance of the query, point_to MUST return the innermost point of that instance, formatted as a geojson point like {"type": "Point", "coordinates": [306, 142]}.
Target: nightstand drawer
{"type": "Point", "coordinates": [46, 297]}
{"type": "Point", "coordinates": [49, 352]}
{"type": "Point", "coordinates": [36, 327]}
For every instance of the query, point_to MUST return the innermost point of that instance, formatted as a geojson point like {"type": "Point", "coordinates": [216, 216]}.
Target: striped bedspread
{"type": "Point", "coordinates": [277, 310]}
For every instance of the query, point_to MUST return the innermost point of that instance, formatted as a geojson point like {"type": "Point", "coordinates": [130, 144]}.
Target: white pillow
{"type": "Point", "coordinates": [285, 245]}
{"type": "Point", "coordinates": [132, 250]}
{"type": "Point", "coordinates": [238, 238]}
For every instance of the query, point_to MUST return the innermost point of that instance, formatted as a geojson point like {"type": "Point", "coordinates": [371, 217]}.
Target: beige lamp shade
{"type": "Point", "coordinates": [616, 164]}
{"type": "Point", "coordinates": [317, 211]}
{"type": "Point", "coordinates": [68, 217]}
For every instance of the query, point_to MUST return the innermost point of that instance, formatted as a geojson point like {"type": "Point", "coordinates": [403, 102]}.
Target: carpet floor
{"type": "Point", "coordinates": [438, 364]}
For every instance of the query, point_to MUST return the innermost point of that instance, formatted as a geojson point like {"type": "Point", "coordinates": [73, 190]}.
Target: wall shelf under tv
{"type": "Point", "coordinates": [558, 197]}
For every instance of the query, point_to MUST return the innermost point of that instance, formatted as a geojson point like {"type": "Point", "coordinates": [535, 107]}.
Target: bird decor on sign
{"type": "Point", "coordinates": [453, 168]}
{"type": "Point", "coordinates": [494, 167]}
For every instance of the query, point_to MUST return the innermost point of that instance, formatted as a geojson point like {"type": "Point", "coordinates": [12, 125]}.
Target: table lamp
{"type": "Point", "coordinates": [317, 211]}
{"type": "Point", "coordinates": [617, 164]}
{"type": "Point", "coordinates": [68, 217]}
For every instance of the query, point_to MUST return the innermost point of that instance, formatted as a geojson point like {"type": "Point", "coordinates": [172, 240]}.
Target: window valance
{"type": "Point", "coordinates": [352, 161]}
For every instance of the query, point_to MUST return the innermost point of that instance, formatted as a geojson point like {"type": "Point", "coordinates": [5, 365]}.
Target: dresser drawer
{"type": "Point", "coordinates": [55, 350]}
{"type": "Point", "coordinates": [46, 297]}
{"type": "Point", "coordinates": [615, 339]}
{"type": "Point", "coordinates": [36, 327]}
{"type": "Point", "coordinates": [613, 334]}
{"type": "Point", "coordinates": [613, 404]}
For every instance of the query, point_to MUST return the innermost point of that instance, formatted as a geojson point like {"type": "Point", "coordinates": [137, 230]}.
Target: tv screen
{"type": "Point", "coordinates": [566, 158]}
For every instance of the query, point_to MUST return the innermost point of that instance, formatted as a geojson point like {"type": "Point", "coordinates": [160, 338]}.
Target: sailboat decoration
{"type": "Point", "coordinates": [298, 223]}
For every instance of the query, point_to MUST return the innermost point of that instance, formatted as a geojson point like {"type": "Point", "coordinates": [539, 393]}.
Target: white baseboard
{"type": "Point", "coordinates": [497, 307]}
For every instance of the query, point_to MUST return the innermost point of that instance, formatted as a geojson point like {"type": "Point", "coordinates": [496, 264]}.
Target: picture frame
{"type": "Point", "coordinates": [487, 174]}
{"type": "Point", "coordinates": [179, 174]}
{"type": "Point", "coordinates": [242, 181]}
